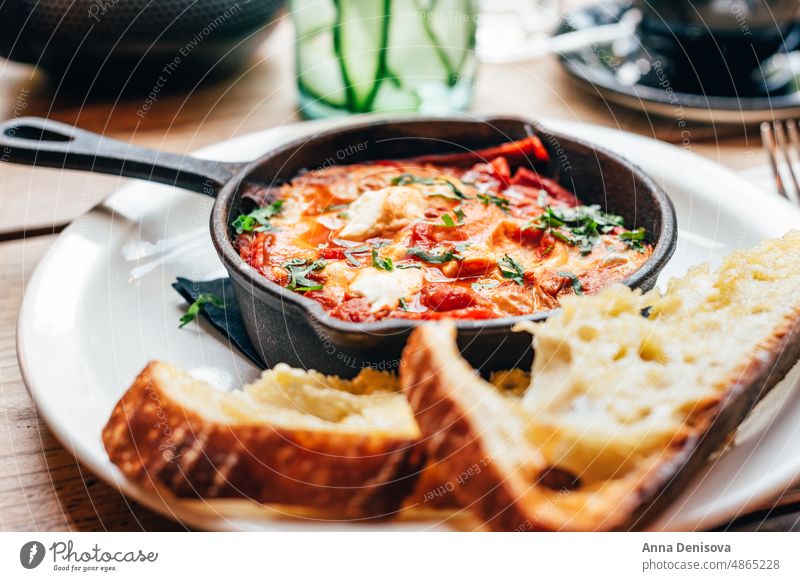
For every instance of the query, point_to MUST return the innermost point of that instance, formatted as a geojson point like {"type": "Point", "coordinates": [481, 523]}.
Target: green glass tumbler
{"type": "Point", "coordinates": [358, 56]}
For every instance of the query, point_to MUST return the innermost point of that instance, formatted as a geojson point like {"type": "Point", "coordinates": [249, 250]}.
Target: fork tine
{"type": "Point", "coordinates": [794, 146]}
{"type": "Point", "coordinates": [783, 150]}
{"type": "Point", "coordinates": [771, 149]}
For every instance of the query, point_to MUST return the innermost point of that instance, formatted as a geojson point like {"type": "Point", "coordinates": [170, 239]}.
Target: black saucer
{"type": "Point", "coordinates": [627, 73]}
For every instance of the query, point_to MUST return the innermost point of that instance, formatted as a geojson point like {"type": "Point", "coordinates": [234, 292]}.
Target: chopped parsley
{"type": "Point", "coordinates": [201, 300]}
{"type": "Point", "coordinates": [499, 201]}
{"type": "Point", "coordinates": [448, 221]}
{"type": "Point", "coordinates": [511, 269]}
{"type": "Point", "coordinates": [441, 258]}
{"type": "Point", "coordinates": [581, 226]}
{"type": "Point", "coordinates": [407, 179]}
{"type": "Point", "coordinates": [352, 260]}
{"type": "Point", "coordinates": [634, 239]}
{"type": "Point", "coordinates": [298, 269]}
{"type": "Point", "coordinates": [258, 219]}
{"type": "Point", "coordinates": [381, 263]}
{"type": "Point", "coordinates": [577, 286]}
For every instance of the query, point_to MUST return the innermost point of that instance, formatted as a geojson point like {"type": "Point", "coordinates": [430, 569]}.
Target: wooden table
{"type": "Point", "coordinates": [42, 487]}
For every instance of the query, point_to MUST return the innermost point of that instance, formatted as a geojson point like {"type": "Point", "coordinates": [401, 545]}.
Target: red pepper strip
{"type": "Point", "coordinates": [516, 152]}
{"type": "Point", "coordinates": [501, 170]}
{"type": "Point", "coordinates": [528, 177]}
{"type": "Point", "coordinates": [332, 253]}
{"type": "Point", "coordinates": [448, 297]}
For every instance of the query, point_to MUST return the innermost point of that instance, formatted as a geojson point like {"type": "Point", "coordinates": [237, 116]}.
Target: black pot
{"type": "Point", "coordinates": [131, 45]}
{"type": "Point", "coordinates": [286, 327]}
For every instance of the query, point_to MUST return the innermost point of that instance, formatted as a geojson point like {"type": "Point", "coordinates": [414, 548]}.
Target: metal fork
{"type": "Point", "coordinates": [784, 156]}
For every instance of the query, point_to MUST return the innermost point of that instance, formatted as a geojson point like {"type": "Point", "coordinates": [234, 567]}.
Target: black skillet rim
{"type": "Point", "coordinates": [220, 230]}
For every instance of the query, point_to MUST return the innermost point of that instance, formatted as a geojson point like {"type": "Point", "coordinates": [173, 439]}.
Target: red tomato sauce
{"type": "Point", "coordinates": [437, 238]}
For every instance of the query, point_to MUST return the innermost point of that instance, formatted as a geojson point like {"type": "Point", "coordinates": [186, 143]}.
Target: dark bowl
{"type": "Point", "coordinates": [708, 47]}
{"type": "Point", "coordinates": [704, 17]}
{"type": "Point", "coordinates": [135, 45]}
{"type": "Point", "coordinates": [284, 326]}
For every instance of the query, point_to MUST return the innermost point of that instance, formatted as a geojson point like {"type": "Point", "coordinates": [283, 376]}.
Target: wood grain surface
{"type": "Point", "coordinates": [42, 487]}
{"type": "Point", "coordinates": [263, 95]}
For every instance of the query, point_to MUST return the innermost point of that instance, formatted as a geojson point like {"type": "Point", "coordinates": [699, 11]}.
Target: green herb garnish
{"type": "Point", "coordinates": [441, 258]}
{"type": "Point", "coordinates": [581, 226]}
{"type": "Point", "coordinates": [299, 268]}
{"type": "Point", "coordinates": [258, 219]}
{"type": "Point", "coordinates": [448, 221]}
{"type": "Point", "coordinates": [352, 260]}
{"type": "Point", "coordinates": [634, 239]}
{"type": "Point", "coordinates": [404, 179]}
{"type": "Point", "coordinates": [403, 305]}
{"type": "Point", "coordinates": [511, 269]}
{"type": "Point", "coordinates": [577, 286]}
{"type": "Point", "coordinates": [499, 201]}
{"type": "Point", "coordinates": [201, 300]}
{"type": "Point", "coordinates": [563, 237]}
{"type": "Point", "coordinates": [407, 178]}
{"type": "Point", "coordinates": [381, 263]}
{"type": "Point", "coordinates": [405, 266]}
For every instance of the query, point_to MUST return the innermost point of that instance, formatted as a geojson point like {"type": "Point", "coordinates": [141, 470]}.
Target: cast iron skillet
{"type": "Point", "coordinates": [284, 325]}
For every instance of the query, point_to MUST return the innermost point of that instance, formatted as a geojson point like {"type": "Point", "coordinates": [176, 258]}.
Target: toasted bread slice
{"type": "Point", "coordinates": [622, 408]}
{"type": "Point", "coordinates": [292, 438]}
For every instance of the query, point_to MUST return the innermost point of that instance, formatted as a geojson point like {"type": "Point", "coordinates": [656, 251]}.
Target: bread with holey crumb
{"type": "Point", "coordinates": [622, 408]}
{"type": "Point", "coordinates": [347, 447]}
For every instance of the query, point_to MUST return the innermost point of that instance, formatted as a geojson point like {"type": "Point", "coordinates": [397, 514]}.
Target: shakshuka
{"type": "Point", "coordinates": [435, 238]}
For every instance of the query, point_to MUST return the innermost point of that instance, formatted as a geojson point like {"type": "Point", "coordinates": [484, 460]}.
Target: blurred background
{"type": "Point", "coordinates": [179, 74]}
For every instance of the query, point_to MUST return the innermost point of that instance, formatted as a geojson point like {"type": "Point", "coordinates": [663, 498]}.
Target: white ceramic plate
{"type": "Point", "coordinates": [100, 305]}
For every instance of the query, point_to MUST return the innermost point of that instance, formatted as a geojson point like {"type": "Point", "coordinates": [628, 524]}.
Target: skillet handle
{"type": "Point", "coordinates": [46, 143]}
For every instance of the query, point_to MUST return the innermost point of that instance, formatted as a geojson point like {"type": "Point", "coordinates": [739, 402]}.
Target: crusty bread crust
{"type": "Point", "coordinates": [431, 374]}
{"type": "Point", "coordinates": [586, 447]}
{"type": "Point", "coordinates": [768, 366]}
{"type": "Point", "coordinates": [508, 498]}
{"type": "Point", "coordinates": [156, 441]}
